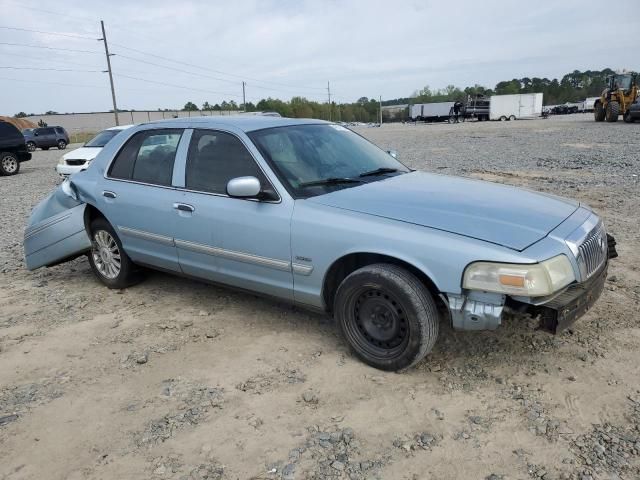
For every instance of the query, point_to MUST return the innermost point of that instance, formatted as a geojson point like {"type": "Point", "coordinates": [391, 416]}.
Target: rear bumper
{"type": "Point", "coordinates": [24, 156]}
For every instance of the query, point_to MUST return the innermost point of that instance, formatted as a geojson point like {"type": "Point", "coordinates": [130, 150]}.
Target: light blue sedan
{"type": "Point", "coordinates": [310, 212]}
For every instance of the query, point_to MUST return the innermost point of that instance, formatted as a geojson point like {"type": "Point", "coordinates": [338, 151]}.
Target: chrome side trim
{"type": "Point", "coordinates": [39, 228]}
{"type": "Point", "coordinates": [233, 255]}
{"type": "Point", "coordinates": [301, 269]}
{"type": "Point", "coordinates": [142, 235]}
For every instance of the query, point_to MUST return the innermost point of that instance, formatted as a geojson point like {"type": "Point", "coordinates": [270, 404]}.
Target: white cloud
{"type": "Point", "coordinates": [364, 47]}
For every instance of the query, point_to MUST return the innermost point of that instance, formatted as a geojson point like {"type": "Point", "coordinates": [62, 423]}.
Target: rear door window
{"type": "Point", "coordinates": [148, 157]}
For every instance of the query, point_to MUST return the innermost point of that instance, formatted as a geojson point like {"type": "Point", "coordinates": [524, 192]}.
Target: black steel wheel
{"type": "Point", "coordinates": [387, 316]}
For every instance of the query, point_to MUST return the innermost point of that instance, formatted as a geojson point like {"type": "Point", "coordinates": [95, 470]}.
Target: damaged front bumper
{"type": "Point", "coordinates": [483, 311]}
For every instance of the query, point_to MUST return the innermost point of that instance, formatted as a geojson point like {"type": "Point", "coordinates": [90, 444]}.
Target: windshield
{"type": "Point", "coordinates": [315, 159]}
{"type": "Point", "coordinates": [623, 81]}
{"type": "Point", "coordinates": [101, 139]}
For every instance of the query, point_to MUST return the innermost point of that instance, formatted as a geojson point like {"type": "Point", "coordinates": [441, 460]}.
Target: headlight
{"type": "Point", "coordinates": [532, 280]}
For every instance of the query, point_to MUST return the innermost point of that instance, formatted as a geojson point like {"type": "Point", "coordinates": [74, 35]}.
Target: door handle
{"type": "Point", "coordinates": [184, 207]}
{"type": "Point", "coordinates": [109, 194]}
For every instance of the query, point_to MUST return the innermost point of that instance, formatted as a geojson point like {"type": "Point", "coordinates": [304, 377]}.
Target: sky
{"type": "Point", "coordinates": [168, 52]}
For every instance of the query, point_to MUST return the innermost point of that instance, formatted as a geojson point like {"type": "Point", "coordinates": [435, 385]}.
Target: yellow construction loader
{"type": "Point", "coordinates": [621, 92]}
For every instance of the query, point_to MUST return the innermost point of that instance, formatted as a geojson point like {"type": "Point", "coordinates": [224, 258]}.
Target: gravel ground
{"type": "Point", "coordinates": [174, 379]}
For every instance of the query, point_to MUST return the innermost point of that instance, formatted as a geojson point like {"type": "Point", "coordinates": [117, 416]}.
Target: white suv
{"type": "Point", "coordinates": [80, 158]}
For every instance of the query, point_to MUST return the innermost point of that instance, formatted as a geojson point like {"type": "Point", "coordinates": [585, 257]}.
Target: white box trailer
{"type": "Point", "coordinates": [511, 107]}
{"type": "Point", "coordinates": [431, 111]}
{"type": "Point", "coordinates": [415, 111]}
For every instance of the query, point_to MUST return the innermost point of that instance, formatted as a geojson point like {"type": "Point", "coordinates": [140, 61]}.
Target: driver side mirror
{"type": "Point", "coordinates": [244, 187]}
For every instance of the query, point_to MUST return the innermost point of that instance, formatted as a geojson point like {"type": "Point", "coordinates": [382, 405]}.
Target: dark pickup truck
{"type": "Point", "coordinates": [13, 149]}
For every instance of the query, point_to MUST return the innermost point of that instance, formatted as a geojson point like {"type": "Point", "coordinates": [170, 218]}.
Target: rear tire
{"type": "Point", "coordinates": [598, 112]}
{"type": "Point", "coordinates": [9, 164]}
{"type": "Point", "coordinates": [503, 118]}
{"type": "Point", "coordinates": [31, 146]}
{"type": "Point", "coordinates": [387, 316]}
{"type": "Point", "coordinates": [108, 260]}
{"type": "Point", "coordinates": [612, 111]}
{"type": "Point", "coordinates": [512, 117]}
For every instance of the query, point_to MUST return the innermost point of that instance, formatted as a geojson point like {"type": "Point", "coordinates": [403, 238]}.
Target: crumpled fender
{"type": "Point", "coordinates": [55, 231]}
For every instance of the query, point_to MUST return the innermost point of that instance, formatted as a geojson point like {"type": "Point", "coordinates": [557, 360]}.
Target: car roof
{"type": "Point", "coordinates": [247, 123]}
{"type": "Point", "coordinates": [120, 127]}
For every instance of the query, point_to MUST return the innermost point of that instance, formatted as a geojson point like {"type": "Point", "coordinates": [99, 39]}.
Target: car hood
{"type": "Point", "coordinates": [82, 153]}
{"type": "Point", "coordinates": [500, 214]}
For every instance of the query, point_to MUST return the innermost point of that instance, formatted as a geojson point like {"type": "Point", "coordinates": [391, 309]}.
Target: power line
{"type": "Point", "coordinates": [22, 80]}
{"type": "Point", "coordinates": [47, 59]}
{"type": "Point", "coordinates": [49, 48]}
{"type": "Point", "coordinates": [176, 86]}
{"type": "Point", "coordinates": [52, 69]}
{"type": "Point", "coordinates": [196, 74]}
{"type": "Point", "coordinates": [174, 68]}
{"type": "Point", "coordinates": [213, 70]}
{"type": "Point", "coordinates": [68, 35]}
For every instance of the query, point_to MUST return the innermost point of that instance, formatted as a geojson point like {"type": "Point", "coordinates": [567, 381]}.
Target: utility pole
{"type": "Point", "coordinates": [380, 110]}
{"type": "Point", "coordinates": [329, 93]}
{"type": "Point", "coordinates": [113, 90]}
{"type": "Point", "coordinates": [244, 99]}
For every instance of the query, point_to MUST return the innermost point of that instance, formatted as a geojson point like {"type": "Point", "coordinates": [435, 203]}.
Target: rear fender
{"type": "Point", "coordinates": [56, 229]}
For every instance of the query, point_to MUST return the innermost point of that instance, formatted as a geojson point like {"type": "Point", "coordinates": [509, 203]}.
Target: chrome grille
{"type": "Point", "coordinates": [592, 251]}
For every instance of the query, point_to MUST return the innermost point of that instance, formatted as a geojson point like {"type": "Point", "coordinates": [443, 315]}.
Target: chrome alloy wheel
{"type": "Point", "coordinates": [106, 254]}
{"type": "Point", "coordinates": [9, 164]}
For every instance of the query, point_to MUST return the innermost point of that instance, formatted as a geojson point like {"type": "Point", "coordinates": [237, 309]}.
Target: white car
{"type": "Point", "coordinates": [80, 158]}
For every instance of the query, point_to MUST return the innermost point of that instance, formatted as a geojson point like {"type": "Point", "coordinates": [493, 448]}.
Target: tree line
{"type": "Point", "coordinates": [572, 87]}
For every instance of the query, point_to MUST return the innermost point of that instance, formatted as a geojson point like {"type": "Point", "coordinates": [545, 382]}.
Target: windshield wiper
{"type": "Point", "coordinates": [330, 181]}
{"type": "Point", "coordinates": [378, 171]}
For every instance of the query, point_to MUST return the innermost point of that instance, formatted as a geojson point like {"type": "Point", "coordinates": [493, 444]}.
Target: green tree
{"type": "Point", "coordinates": [190, 107]}
{"type": "Point", "coordinates": [20, 115]}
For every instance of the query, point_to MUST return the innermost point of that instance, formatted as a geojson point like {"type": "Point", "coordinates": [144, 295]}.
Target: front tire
{"type": "Point", "coordinates": [387, 316]}
{"type": "Point", "coordinates": [31, 146]}
{"type": "Point", "coordinates": [108, 260]}
{"type": "Point", "coordinates": [9, 164]}
{"type": "Point", "coordinates": [62, 145]}
{"type": "Point", "coordinates": [612, 111]}
{"type": "Point", "coordinates": [512, 117]}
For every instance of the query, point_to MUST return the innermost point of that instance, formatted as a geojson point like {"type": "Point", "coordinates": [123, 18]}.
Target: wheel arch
{"type": "Point", "coordinates": [90, 214]}
{"type": "Point", "coordinates": [351, 262]}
